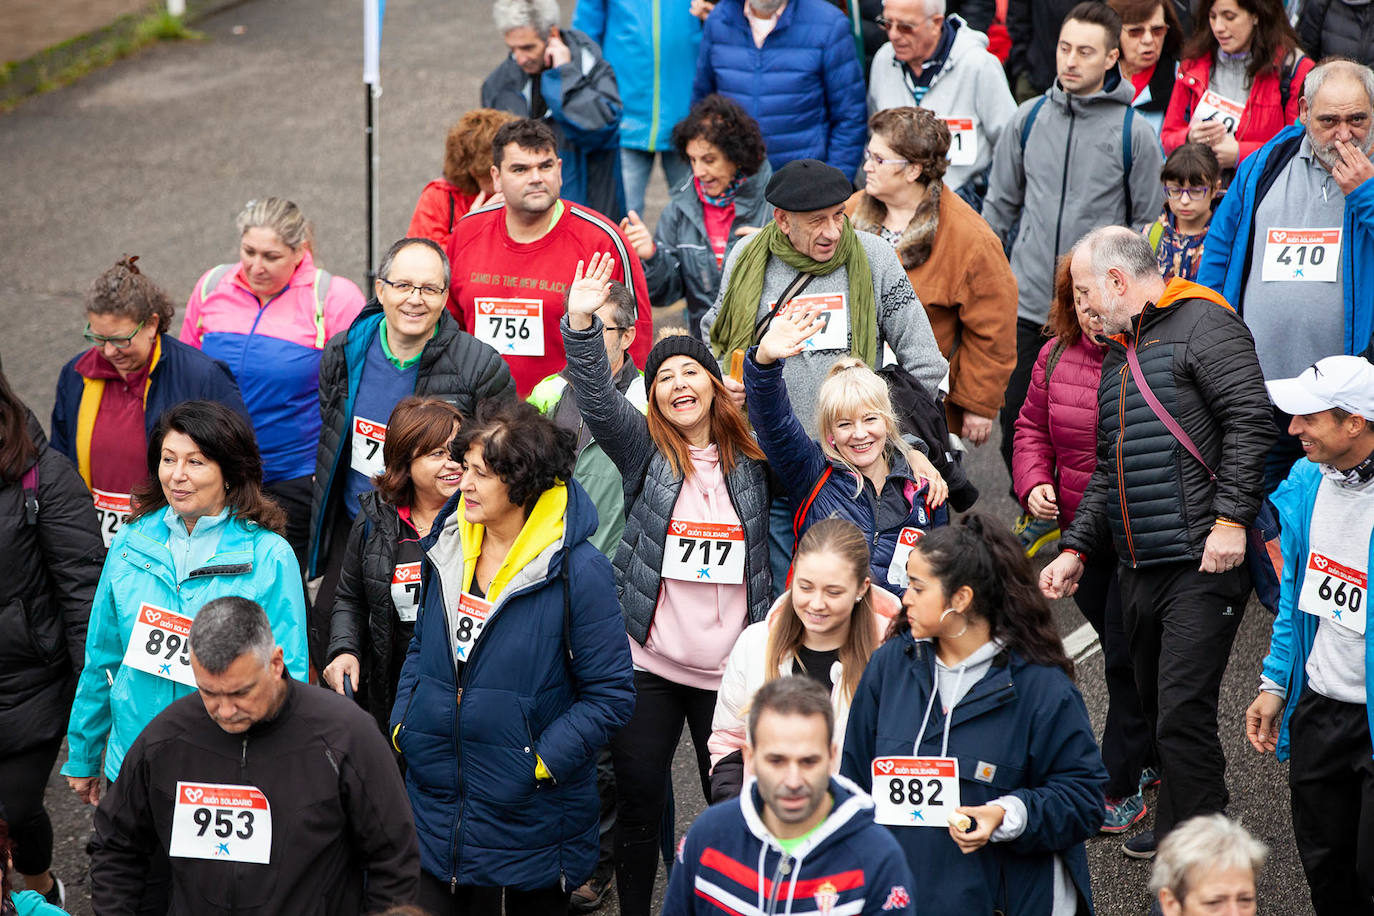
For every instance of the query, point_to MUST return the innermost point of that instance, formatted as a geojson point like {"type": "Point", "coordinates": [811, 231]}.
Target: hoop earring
{"type": "Point", "coordinates": [962, 617]}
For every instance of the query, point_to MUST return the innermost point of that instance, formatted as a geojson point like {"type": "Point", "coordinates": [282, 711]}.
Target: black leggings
{"type": "Point", "coordinates": [438, 899]}
{"type": "Point", "coordinates": [642, 753]}
{"type": "Point", "coordinates": [294, 497]}
{"type": "Point", "coordinates": [23, 778]}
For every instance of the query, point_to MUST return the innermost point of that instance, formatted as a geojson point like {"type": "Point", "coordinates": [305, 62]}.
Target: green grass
{"type": "Point", "coordinates": [69, 61]}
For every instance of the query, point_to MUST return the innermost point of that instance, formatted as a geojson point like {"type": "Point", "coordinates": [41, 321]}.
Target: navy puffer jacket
{"type": "Point", "coordinates": [804, 86]}
{"type": "Point", "coordinates": [799, 462]}
{"type": "Point", "coordinates": [549, 678]}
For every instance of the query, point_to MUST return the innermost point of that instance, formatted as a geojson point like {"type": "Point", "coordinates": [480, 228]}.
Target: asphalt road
{"type": "Point", "coordinates": [155, 155]}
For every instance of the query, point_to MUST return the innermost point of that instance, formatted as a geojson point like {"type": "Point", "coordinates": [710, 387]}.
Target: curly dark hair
{"type": "Point", "coordinates": [1270, 44]}
{"type": "Point", "coordinates": [916, 135]}
{"type": "Point", "coordinates": [723, 123]}
{"type": "Point", "coordinates": [522, 447]}
{"type": "Point", "coordinates": [226, 439]}
{"type": "Point", "coordinates": [467, 149]}
{"type": "Point", "coordinates": [125, 291]}
{"type": "Point", "coordinates": [983, 555]}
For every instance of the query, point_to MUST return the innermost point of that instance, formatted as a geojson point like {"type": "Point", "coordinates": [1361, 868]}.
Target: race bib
{"type": "Point", "coordinates": [112, 509]}
{"type": "Point", "coordinates": [1334, 592]}
{"type": "Point", "coordinates": [365, 449]}
{"type": "Point", "coordinates": [160, 645]}
{"type": "Point", "coordinates": [1216, 107]}
{"type": "Point", "coordinates": [472, 617]}
{"type": "Point", "coordinates": [963, 141]}
{"type": "Point", "coordinates": [896, 573]}
{"type": "Point", "coordinates": [1302, 254]}
{"type": "Point", "coordinates": [405, 591]}
{"type": "Point", "coordinates": [513, 327]}
{"type": "Point", "coordinates": [704, 552]}
{"type": "Point", "coordinates": [226, 823]}
{"type": "Point", "coordinates": [915, 791]}
{"type": "Point", "coordinates": [834, 316]}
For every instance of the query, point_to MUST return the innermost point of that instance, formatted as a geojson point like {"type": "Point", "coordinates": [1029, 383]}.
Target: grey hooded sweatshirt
{"type": "Point", "coordinates": [1068, 181]}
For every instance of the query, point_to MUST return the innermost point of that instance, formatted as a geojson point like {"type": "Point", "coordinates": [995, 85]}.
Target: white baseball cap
{"type": "Point", "coordinates": [1346, 382]}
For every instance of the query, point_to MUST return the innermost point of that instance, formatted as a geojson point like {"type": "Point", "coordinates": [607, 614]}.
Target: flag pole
{"type": "Point", "coordinates": [372, 85]}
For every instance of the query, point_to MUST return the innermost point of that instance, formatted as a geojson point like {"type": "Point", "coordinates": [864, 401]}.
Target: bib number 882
{"type": "Point", "coordinates": [223, 819]}
{"type": "Point", "coordinates": [913, 791]}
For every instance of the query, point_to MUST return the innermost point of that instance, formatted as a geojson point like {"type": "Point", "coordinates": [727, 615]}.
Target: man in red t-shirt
{"type": "Point", "coordinates": [512, 263]}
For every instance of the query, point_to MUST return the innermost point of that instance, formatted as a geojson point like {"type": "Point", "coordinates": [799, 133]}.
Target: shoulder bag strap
{"type": "Point", "coordinates": [1164, 416]}
{"type": "Point", "coordinates": [794, 289]}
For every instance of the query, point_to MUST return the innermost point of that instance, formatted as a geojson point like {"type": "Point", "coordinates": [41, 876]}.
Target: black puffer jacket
{"type": "Point", "coordinates": [52, 563]}
{"type": "Point", "coordinates": [454, 366]}
{"type": "Point", "coordinates": [364, 622]}
{"type": "Point", "coordinates": [1336, 28]}
{"type": "Point", "coordinates": [651, 488]}
{"type": "Point", "coordinates": [1153, 498]}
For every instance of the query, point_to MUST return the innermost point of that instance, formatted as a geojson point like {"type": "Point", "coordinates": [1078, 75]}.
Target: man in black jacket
{"type": "Point", "coordinates": [1177, 524]}
{"type": "Point", "coordinates": [265, 795]}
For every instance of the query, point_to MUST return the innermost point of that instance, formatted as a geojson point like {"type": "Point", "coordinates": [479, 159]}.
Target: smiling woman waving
{"type": "Point", "coordinates": [692, 568]}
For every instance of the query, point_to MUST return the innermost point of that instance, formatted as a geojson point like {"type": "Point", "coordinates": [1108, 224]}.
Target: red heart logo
{"type": "Point", "coordinates": [154, 616]}
{"type": "Point", "coordinates": [194, 795]}
{"type": "Point", "coordinates": [1319, 562]}
{"type": "Point", "coordinates": [485, 307]}
{"type": "Point", "coordinates": [679, 527]}
{"type": "Point", "coordinates": [1280, 235]}
{"type": "Point", "coordinates": [885, 766]}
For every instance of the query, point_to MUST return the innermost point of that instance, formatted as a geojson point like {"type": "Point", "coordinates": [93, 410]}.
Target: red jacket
{"type": "Point", "coordinates": [1264, 116]}
{"type": "Point", "coordinates": [1056, 432]}
{"type": "Point", "coordinates": [438, 210]}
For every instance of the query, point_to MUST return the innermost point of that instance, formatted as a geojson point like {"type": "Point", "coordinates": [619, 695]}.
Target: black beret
{"type": "Point", "coordinates": [807, 184]}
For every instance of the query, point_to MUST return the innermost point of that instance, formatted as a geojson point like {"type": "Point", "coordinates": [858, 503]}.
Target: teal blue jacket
{"type": "Point", "coordinates": [114, 703]}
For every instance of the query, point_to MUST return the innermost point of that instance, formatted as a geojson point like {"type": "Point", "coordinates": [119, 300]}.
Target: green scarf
{"type": "Point", "coordinates": [734, 327]}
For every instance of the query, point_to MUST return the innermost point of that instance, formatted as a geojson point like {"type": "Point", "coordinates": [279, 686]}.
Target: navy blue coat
{"type": "Point", "coordinates": [1029, 722]}
{"type": "Point", "coordinates": [804, 86]}
{"type": "Point", "coordinates": [481, 816]}
{"type": "Point", "coordinates": [181, 373]}
{"type": "Point", "coordinates": [798, 461]}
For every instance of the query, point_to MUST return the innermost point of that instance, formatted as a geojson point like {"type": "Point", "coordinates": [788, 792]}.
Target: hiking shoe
{"type": "Point", "coordinates": [57, 894]}
{"type": "Point", "coordinates": [1122, 813]}
{"type": "Point", "coordinates": [1140, 846]}
{"type": "Point", "coordinates": [1035, 533]}
{"type": "Point", "coordinates": [1149, 778]}
{"type": "Point", "coordinates": [589, 896]}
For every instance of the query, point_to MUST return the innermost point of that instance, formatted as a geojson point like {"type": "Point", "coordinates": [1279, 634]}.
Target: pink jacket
{"type": "Point", "coordinates": [1056, 433]}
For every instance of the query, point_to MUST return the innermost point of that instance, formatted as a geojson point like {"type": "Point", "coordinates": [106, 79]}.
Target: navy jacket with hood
{"type": "Point", "coordinates": [550, 677]}
{"type": "Point", "coordinates": [730, 863]}
{"type": "Point", "coordinates": [1022, 730]}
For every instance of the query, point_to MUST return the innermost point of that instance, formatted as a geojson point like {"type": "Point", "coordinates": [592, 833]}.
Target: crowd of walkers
{"type": "Point", "coordinates": [401, 603]}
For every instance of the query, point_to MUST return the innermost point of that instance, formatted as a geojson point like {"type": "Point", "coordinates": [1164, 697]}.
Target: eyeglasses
{"type": "Point", "coordinates": [1197, 193]}
{"type": "Point", "coordinates": [904, 28]}
{"type": "Point", "coordinates": [1137, 32]}
{"type": "Point", "coordinates": [615, 327]}
{"type": "Point", "coordinates": [119, 343]}
{"type": "Point", "coordinates": [405, 288]}
{"type": "Point", "coordinates": [870, 156]}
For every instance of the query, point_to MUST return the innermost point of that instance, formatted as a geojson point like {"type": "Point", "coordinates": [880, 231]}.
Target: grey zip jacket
{"type": "Point", "coordinates": [1068, 181]}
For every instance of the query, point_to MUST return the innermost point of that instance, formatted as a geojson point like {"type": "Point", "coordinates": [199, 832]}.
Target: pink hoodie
{"type": "Point", "coordinates": [696, 623]}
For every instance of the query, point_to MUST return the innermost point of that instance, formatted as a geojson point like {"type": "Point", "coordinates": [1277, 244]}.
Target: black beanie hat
{"type": "Point", "coordinates": [679, 345]}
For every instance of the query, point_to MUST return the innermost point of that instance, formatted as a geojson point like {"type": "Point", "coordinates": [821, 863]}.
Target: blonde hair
{"type": "Point", "coordinates": [849, 389]}
{"type": "Point", "coordinates": [282, 217]}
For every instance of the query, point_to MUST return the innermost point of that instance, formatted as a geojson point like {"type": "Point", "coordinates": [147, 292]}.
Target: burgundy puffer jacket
{"type": "Point", "coordinates": [1056, 433]}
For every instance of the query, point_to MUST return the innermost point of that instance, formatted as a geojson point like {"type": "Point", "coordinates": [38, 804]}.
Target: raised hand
{"type": "Point", "coordinates": [588, 291]}
{"type": "Point", "coordinates": [638, 235]}
{"type": "Point", "coordinates": [787, 335]}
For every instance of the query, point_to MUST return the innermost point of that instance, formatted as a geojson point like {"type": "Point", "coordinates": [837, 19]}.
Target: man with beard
{"type": "Point", "coordinates": [801, 838]}
{"type": "Point", "coordinates": [1183, 426]}
{"type": "Point", "coordinates": [511, 263]}
{"type": "Point", "coordinates": [1294, 236]}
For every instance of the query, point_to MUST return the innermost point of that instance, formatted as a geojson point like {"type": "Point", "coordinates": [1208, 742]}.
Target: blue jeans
{"type": "Point", "coordinates": [637, 164]}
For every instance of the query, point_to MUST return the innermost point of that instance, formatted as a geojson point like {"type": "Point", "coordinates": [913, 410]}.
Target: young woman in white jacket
{"type": "Point", "coordinates": [825, 626]}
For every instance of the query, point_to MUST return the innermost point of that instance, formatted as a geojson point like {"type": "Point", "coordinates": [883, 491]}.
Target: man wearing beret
{"type": "Point", "coordinates": [809, 256]}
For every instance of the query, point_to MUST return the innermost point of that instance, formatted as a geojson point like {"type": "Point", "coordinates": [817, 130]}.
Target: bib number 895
{"type": "Point", "coordinates": [913, 791]}
{"type": "Point", "coordinates": [223, 819]}
{"type": "Point", "coordinates": [1339, 596]}
{"type": "Point", "coordinates": [173, 642]}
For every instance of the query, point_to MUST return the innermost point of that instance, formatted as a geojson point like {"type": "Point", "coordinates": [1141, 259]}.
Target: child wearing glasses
{"type": "Point", "coordinates": [1192, 181]}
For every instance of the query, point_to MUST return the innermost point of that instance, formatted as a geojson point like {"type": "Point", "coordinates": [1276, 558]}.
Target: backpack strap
{"type": "Point", "coordinates": [1126, 123]}
{"type": "Point", "coordinates": [805, 507]}
{"type": "Point", "coordinates": [452, 209]}
{"type": "Point", "coordinates": [1286, 74]}
{"type": "Point", "coordinates": [1156, 233]}
{"type": "Point", "coordinates": [1030, 122]}
{"type": "Point", "coordinates": [1053, 359]}
{"type": "Point", "coordinates": [321, 289]}
{"type": "Point", "coordinates": [29, 482]}
{"type": "Point", "coordinates": [213, 278]}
